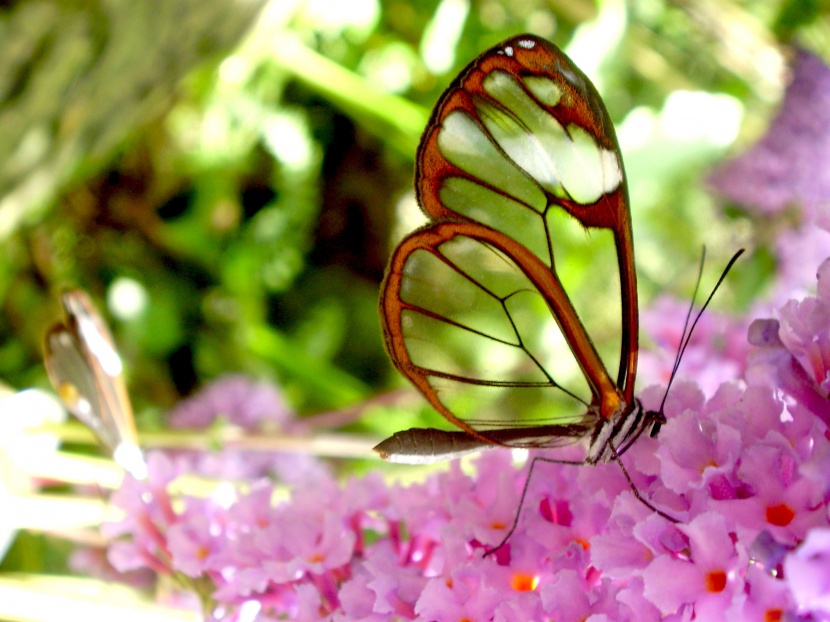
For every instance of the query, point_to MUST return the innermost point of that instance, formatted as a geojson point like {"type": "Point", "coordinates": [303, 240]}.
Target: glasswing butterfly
{"type": "Point", "coordinates": [86, 371]}
{"type": "Point", "coordinates": [519, 142]}
{"type": "Point", "coordinates": [473, 310]}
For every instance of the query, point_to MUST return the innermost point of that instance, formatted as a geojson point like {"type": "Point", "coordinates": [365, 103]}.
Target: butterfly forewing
{"type": "Point", "coordinates": [76, 387]}
{"type": "Point", "coordinates": [85, 369]}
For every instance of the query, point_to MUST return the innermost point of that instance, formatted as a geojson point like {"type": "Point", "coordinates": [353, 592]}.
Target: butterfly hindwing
{"type": "Point", "coordinates": [473, 330]}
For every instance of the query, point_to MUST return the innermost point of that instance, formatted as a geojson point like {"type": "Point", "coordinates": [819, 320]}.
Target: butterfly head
{"type": "Point", "coordinates": [654, 422]}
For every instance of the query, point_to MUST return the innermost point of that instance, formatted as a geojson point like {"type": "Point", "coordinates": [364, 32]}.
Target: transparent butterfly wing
{"type": "Point", "coordinates": [470, 317]}
{"type": "Point", "coordinates": [86, 371]}
{"type": "Point", "coordinates": [519, 149]}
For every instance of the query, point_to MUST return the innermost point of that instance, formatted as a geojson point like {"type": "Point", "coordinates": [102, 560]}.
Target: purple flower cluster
{"type": "Point", "coordinates": [787, 171]}
{"type": "Point", "coordinates": [717, 351]}
{"type": "Point", "coordinates": [746, 473]}
{"type": "Point", "coordinates": [744, 467]}
{"type": "Point", "coordinates": [786, 168]}
{"type": "Point", "coordinates": [256, 407]}
{"type": "Point", "coordinates": [794, 352]}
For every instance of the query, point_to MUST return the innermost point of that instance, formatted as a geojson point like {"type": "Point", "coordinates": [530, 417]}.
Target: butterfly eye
{"type": "Point", "coordinates": [85, 369]}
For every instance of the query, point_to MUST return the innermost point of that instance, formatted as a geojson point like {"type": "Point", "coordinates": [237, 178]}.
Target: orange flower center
{"type": "Point", "coordinates": [780, 515]}
{"type": "Point", "coordinates": [524, 582]}
{"type": "Point", "coordinates": [716, 581]}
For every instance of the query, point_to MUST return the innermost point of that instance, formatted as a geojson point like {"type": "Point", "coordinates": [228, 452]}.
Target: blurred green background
{"type": "Point", "coordinates": [227, 178]}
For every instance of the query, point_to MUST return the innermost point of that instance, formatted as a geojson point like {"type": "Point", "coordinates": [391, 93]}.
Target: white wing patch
{"type": "Point", "coordinates": [565, 162]}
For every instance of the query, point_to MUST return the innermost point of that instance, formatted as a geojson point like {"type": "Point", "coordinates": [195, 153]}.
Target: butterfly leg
{"type": "Point", "coordinates": [538, 459]}
{"type": "Point", "coordinates": [518, 513]}
{"type": "Point", "coordinates": [634, 488]}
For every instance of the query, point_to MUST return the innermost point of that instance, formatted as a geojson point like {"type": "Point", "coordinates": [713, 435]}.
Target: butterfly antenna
{"type": "Point", "coordinates": [684, 337]}
{"type": "Point", "coordinates": [688, 329]}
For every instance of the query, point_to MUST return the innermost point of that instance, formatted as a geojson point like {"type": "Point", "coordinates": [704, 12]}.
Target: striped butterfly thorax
{"type": "Point", "coordinates": [519, 149]}
{"type": "Point", "coordinates": [86, 370]}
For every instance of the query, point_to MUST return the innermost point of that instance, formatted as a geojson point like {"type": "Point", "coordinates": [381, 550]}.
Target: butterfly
{"type": "Point", "coordinates": [86, 370]}
{"type": "Point", "coordinates": [473, 310]}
